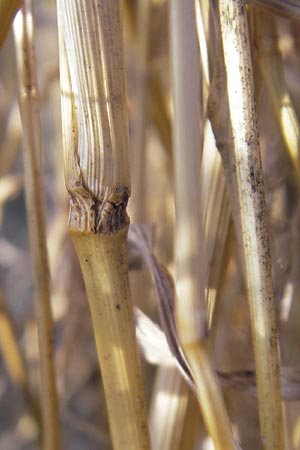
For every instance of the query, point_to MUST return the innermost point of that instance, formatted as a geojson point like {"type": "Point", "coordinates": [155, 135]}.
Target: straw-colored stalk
{"type": "Point", "coordinates": [95, 139]}
{"type": "Point", "coordinates": [190, 264]}
{"type": "Point", "coordinates": [252, 207]}
{"type": "Point", "coordinates": [34, 192]}
{"type": "Point", "coordinates": [271, 65]}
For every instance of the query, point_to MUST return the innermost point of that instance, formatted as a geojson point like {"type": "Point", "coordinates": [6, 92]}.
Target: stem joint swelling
{"type": "Point", "coordinates": [99, 216]}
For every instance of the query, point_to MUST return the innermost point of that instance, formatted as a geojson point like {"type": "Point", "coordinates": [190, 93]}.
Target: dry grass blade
{"type": "Point", "coordinates": [251, 201]}
{"type": "Point", "coordinates": [32, 156]}
{"type": "Point", "coordinates": [173, 389]}
{"type": "Point", "coordinates": [95, 128]}
{"type": "Point", "coordinates": [164, 287]}
{"type": "Point", "coordinates": [153, 344]}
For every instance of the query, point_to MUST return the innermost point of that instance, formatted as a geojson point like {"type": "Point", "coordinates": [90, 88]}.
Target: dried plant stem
{"type": "Point", "coordinates": [32, 156]}
{"type": "Point", "coordinates": [111, 310]}
{"type": "Point", "coordinates": [190, 265]}
{"type": "Point", "coordinates": [95, 131]}
{"type": "Point", "coordinates": [251, 201]}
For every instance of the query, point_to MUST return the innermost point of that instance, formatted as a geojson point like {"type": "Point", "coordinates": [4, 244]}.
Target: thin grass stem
{"type": "Point", "coordinates": [34, 193]}
{"type": "Point", "coordinates": [95, 131]}
{"type": "Point", "coordinates": [191, 271]}
{"type": "Point", "coordinates": [252, 207]}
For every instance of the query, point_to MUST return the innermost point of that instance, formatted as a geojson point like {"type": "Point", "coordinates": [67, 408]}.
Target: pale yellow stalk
{"type": "Point", "coordinates": [95, 139]}
{"type": "Point", "coordinates": [34, 192]}
{"type": "Point", "coordinates": [111, 310]}
{"type": "Point", "coordinates": [191, 269]}
{"type": "Point", "coordinates": [252, 207]}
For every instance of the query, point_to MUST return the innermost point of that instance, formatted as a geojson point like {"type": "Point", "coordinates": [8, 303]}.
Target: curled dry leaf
{"type": "Point", "coordinates": [162, 347]}
{"type": "Point", "coordinates": [138, 237]}
{"type": "Point", "coordinates": [154, 347]}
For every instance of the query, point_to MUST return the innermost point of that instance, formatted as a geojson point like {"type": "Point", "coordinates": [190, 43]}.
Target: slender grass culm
{"type": "Point", "coordinates": [191, 314]}
{"type": "Point", "coordinates": [95, 139]}
{"type": "Point", "coordinates": [250, 203]}
{"type": "Point", "coordinates": [34, 192]}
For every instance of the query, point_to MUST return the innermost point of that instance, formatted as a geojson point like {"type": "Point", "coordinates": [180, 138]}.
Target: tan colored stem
{"type": "Point", "coordinates": [34, 191]}
{"type": "Point", "coordinates": [104, 266]}
{"type": "Point", "coordinates": [95, 131]}
{"type": "Point", "coordinates": [191, 268]}
{"type": "Point", "coordinates": [252, 207]}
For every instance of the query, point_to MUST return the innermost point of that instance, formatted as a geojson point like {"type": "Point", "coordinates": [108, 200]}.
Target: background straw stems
{"type": "Point", "coordinates": [35, 204]}
{"type": "Point", "coordinates": [189, 247]}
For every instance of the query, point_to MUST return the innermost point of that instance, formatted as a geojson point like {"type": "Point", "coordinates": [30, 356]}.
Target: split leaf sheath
{"type": "Point", "coordinates": [95, 139]}
{"type": "Point", "coordinates": [95, 124]}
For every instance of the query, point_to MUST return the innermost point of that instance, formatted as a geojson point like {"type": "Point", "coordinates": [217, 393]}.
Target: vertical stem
{"type": "Point", "coordinates": [252, 207]}
{"type": "Point", "coordinates": [190, 264]}
{"type": "Point", "coordinates": [34, 192]}
{"type": "Point", "coordinates": [108, 292]}
{"type": "Point", "coordinates": [95, 132]}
